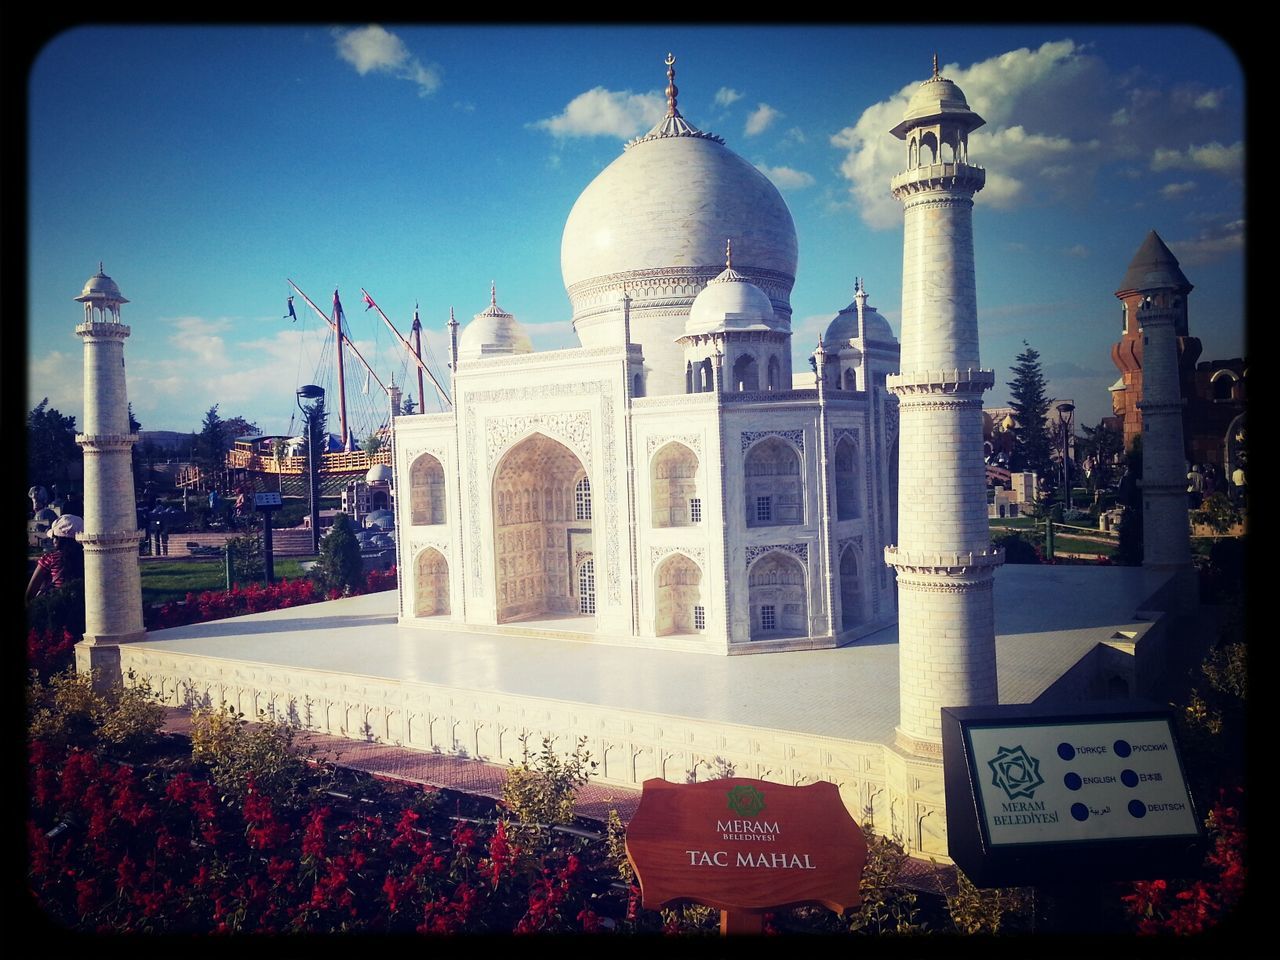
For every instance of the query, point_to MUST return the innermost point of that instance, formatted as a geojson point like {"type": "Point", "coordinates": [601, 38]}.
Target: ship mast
{"type": "Point", "coordinates": [342, 382]}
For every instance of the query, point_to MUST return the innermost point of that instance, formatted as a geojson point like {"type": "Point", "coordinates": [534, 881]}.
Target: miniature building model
{"type": "Point", "coordinates": [662, 484]}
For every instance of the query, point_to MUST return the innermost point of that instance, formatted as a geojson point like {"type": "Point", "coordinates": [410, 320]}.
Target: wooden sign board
{"type": "Point", "coordinates": [742, 844]}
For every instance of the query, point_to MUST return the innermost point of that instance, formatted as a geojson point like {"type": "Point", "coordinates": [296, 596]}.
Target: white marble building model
{"type": "Point", "coordinates": [113, 584]}
{"type": "Point", "coordinates": [943, 556]}
{"type": "Point", "coordinates": [662, 484]}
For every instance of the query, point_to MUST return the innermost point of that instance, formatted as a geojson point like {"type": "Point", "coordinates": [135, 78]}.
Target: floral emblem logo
{"type": "Point", "coordinates": [1015, 772]}
{"type": "Point", "coordinates": [745, 800]}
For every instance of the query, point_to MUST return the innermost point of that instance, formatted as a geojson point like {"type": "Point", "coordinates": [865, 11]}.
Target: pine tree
{"type": "Point", "coordinates": [212, 444]}
{"type": "Point", "coordinates": [340, 566]}
{"type": "Point", "coordinates": [1033, 445]}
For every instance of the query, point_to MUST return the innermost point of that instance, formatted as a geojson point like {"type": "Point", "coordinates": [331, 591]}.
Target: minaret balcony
{"type": "Point", "coordinates": [939, 176]}
{"type": "Point", "coordinates": [935, 562]}
{"type": "Point", "coordinates": [940, 381]}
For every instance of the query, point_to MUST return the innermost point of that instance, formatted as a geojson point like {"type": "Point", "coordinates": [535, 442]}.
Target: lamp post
{"type": "Point", "coordinates": [1066, 412]}
{"type": "Point", "coordinates": [310, 391]}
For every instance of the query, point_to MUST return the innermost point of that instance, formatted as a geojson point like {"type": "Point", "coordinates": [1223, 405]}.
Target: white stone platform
{"type": "Point", "coordinates": [346, 667]}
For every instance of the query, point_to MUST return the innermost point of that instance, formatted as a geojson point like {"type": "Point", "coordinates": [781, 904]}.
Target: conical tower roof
{"type": "Point", "coordinates": [1154, 267]}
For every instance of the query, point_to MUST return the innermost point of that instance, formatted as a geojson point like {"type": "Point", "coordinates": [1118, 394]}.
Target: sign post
{"type": "Point", "coordinates": [745, 846]}
{"type": "Point", "coordinates": [265, 503]}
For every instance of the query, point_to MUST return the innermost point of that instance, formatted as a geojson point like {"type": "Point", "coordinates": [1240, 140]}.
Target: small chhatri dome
{"type": "Point", "coordinates": [493, 332]}
{"type": "Point", "coordinates": [730, 302]}
{"type": "Point", "coordinates": [100, 287]}
{"type": "Point", "coordinates": [935, 100]}
{"type": "Point", "coordinates": [846, 325]}
{"type": "Point", "coordinates": [378, 473]}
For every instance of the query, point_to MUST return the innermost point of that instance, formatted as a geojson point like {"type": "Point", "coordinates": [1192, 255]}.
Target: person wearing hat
{"type": "Point", "coordinates": [62, 564]}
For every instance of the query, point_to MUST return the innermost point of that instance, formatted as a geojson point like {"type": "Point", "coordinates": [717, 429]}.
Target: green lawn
{"type": "Point", "coordinates": [167, 580]}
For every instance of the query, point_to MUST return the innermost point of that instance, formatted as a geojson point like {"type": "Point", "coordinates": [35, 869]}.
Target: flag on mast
{"type": "Point", "coordinates": [368, 303]}
{"type": "Point", "coordinates": [291, 312]}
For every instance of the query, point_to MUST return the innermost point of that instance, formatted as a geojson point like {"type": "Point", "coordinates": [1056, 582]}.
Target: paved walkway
{"type": "Point", "coordinates": [436, 769]}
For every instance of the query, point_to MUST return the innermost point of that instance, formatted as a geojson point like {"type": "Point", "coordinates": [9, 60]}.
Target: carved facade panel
{"type": "Point", "coordinates": [801, 550]}
{"type": "Point", "coordinates": [751, 436]}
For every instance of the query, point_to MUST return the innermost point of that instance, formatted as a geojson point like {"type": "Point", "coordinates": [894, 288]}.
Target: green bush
{"type": "Point", "coordinates": [69, 711]}
{"type": "Point", "coordinates": [237, 752]}
{"type": "Point", "coordinates": [1001, 909]}
{"type": "Point", "coordinates": [1018, 547]}
{"type": "Point", "coordinates": [248, 564]}
{"type": "Point", "coordinates": [340, 567]}
{"type": "Point", "coordinates": [542, 789]}
{"type": "Point", "coordinates": [886, 907]}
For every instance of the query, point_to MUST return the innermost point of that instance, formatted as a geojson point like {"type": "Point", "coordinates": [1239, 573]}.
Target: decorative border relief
{"type": "Point", "coordinates": [801, 550]}
{"type": "Point", "coordinates": [751, 436]}
{"type": "Point", "coordinates": [691, 440]}
{"type": "Point", "coordinates": [697, 554]}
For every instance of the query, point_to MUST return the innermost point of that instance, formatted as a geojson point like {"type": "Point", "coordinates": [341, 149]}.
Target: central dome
{"type": "Point", "coordinates": [649, 232]}
{"type": "Point", "coordinates": [671, 201]}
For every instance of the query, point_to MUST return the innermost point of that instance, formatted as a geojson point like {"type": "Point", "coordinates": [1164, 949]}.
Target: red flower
{"type": "Point", "coordinates": [313, 845]}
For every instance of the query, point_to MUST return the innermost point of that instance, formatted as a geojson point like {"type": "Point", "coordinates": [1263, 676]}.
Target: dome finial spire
{"type": "Point", "coordinates": [728, 253]}
{"type": "Point", "coordinates": [672, 89]}
{"type": "Point", "coordinates": [493, 293]}
{"type": "Point", "coordinates": [100, 270]}
{"type": "Point", "coordinates": [935, 64]}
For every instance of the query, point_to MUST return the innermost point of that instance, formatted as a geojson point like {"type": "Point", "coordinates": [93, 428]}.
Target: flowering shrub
{"type": "Point", "coordinates": [238, 601]}
{"type": "Point", "coordinates": [112, 848]}
{"type": "Point", "coordinates": [1159, 906]}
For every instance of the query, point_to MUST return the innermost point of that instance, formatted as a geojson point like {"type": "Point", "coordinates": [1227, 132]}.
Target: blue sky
{"type": "Point", "coordinates": [205, 165]}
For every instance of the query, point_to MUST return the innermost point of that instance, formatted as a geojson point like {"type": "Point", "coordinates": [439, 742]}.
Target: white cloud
{"type": "Point", "coordinates": [1078, 250]}
{"type": "Point", "coordinates": [726, 96]}
{"type": "Point", "coordinates": [60, 377]}
{"type": "Point", "coordinates": [604, 113]}
{"type": "Point", "coordinates": [1057, 119]}
{"type": "Point", "coordinates": [786, 178]}
{"type": "Point", "coordinates": [760, 119]}
{"type": "Point", "coordinates": [794, 135]}
{"type": "Point", "coordinates": [1214, 157]}
{"type": "Point", "coordinates": [1210, 100]}
{"type": "Point", "coordinates": [1213, 244]}
{"type": "Point", "coordinates": [373, 49]}
{"type": "Point", "coordinates": [466, 106]}
{"type": "Point", "coordinates": [1171, 191]}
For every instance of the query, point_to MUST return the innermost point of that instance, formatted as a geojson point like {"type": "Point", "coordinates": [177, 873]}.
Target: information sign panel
{"type": "Point", "coordinates": [741, 844]}
{"type": "Point", "coordinates": [1032, 795]}
{"type": "Point", "coordinates": [267, 501]}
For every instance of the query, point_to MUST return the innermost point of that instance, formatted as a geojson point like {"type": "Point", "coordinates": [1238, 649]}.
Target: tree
{"type": "Point", "coordinates": [53, 456]}
{"type": "Point", "coordinates": [407, 406]}
{"type": "Point", "coordinates": [1033, 447]}
{"type": "Point", "coordinates": [1101, 446]}
{"type": "Point", "coordinates": [235, 427]}
{"type": "Point", "coordinates": [212, 443]}
{"type": "Point", "coordinates": [340, 566]}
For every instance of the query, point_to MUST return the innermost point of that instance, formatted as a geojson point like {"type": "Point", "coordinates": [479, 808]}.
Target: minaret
{"type": "Point", "coordinates": [1154, 262]}
{"type": "Point", "coordinates": [943, 556]}
{"type": "Point", "coordinates": [1166, 537]}
{"type": "Point", "coordinates": [112, 583]}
